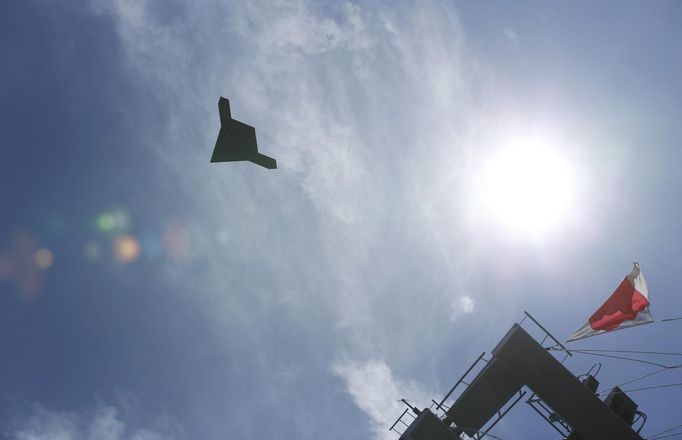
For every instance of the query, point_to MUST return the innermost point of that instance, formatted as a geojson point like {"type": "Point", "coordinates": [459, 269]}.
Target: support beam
{"type": "Point", "coordinates": [519, 360]}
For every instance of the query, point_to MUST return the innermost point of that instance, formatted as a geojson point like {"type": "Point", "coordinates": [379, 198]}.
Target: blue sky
{"type": "Point", "coordinates": [182, 299]}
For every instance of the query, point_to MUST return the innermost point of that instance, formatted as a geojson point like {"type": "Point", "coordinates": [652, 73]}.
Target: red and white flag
{"type": "Point", "coordinates": [626, 307]}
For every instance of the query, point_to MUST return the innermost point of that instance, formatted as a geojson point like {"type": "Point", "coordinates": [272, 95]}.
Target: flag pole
{"type": "Point", "coordinates": [670, 319]}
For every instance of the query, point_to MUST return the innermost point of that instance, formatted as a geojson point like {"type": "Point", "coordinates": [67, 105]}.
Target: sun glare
{"type": "Point", "coordinates": [527, 188]}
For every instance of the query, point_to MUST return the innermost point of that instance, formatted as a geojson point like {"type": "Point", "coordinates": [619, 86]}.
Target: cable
{"type": "Point", "coordinates": [600, 353]}
{"type": "Point", "coordinates": [670, 319]}
{"type": "Point", "coordinates": [665, 436]}
{"type": "Point", "coordinates": [644, 376]}
{"type": "Point", "coordinates": [644, 388]}
{"type": "Point", "coordinates": [662, 353]}
{"type": "Point", "coordinates": [663, 432]}
{"type": "Point", "coordinates": [675, 434]}
{"type": "Point", "coordinates": [625, 358]}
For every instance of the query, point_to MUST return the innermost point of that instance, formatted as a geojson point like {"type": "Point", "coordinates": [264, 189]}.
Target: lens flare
{"type": "Point", "coordinates": [105, 222]}
{"type": "Point", "coordinates": [121, 220]}
{"type": "Point", "coordinates": [117, 220]}
{"type": "Point", "coordinates": [25, 273]}
{"type": "Point", "coordinates": [126, 249]}
{"type": "Point", "coordinates": [43, 258]}
{"type": "Point", "coordinates": [177, 241]}
{"type": "Point", "coordinates": [151, 246]}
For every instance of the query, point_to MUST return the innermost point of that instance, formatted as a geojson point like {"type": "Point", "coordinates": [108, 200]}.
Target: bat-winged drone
{"type": "Point", "coordinates": [237, 141]}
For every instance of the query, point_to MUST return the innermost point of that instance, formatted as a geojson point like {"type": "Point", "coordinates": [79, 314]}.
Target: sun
{"type": "Point", "coordinates": [527, 187]}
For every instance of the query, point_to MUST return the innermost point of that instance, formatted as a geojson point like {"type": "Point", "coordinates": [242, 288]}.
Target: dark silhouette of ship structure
{"type": "Point", "coordinates": [520, 365]}
{"type": "Point", "coordinates": [237, 141]}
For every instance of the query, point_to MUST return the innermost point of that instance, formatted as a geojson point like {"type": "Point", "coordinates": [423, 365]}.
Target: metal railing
{"type": "Point", "coordinates": [441, 408]}
{"type": "Point", "coordinates": [401, 422]}
{"type": "Point", "coordinates": [547, 335]}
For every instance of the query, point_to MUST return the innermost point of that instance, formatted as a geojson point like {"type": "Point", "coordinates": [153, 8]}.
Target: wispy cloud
{"type": "Point", "coordinates": [377, 392]}
{"type": "Point", "coordinates": [370, 114]}
{"type": "Point", "coordinates": [462, 305]}
{"type": "Point", "coordinates": [103, 423]}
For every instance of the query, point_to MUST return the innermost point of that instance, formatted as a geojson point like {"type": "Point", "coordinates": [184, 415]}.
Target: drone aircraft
{"type": "Point", "coordinates": [237, 141]}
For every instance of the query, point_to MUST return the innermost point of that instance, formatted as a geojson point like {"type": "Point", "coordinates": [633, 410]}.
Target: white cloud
{"type": "Point", "coordinates": [46, 425]}
{"type": "Point", "coordinates": [369, 113]}
{"type": "Point", "coordinates": [104, 423]}
{"type": "Point", "coordinates": [462, 305]}
{"type": "Point", "coordinates": [377, 392]}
